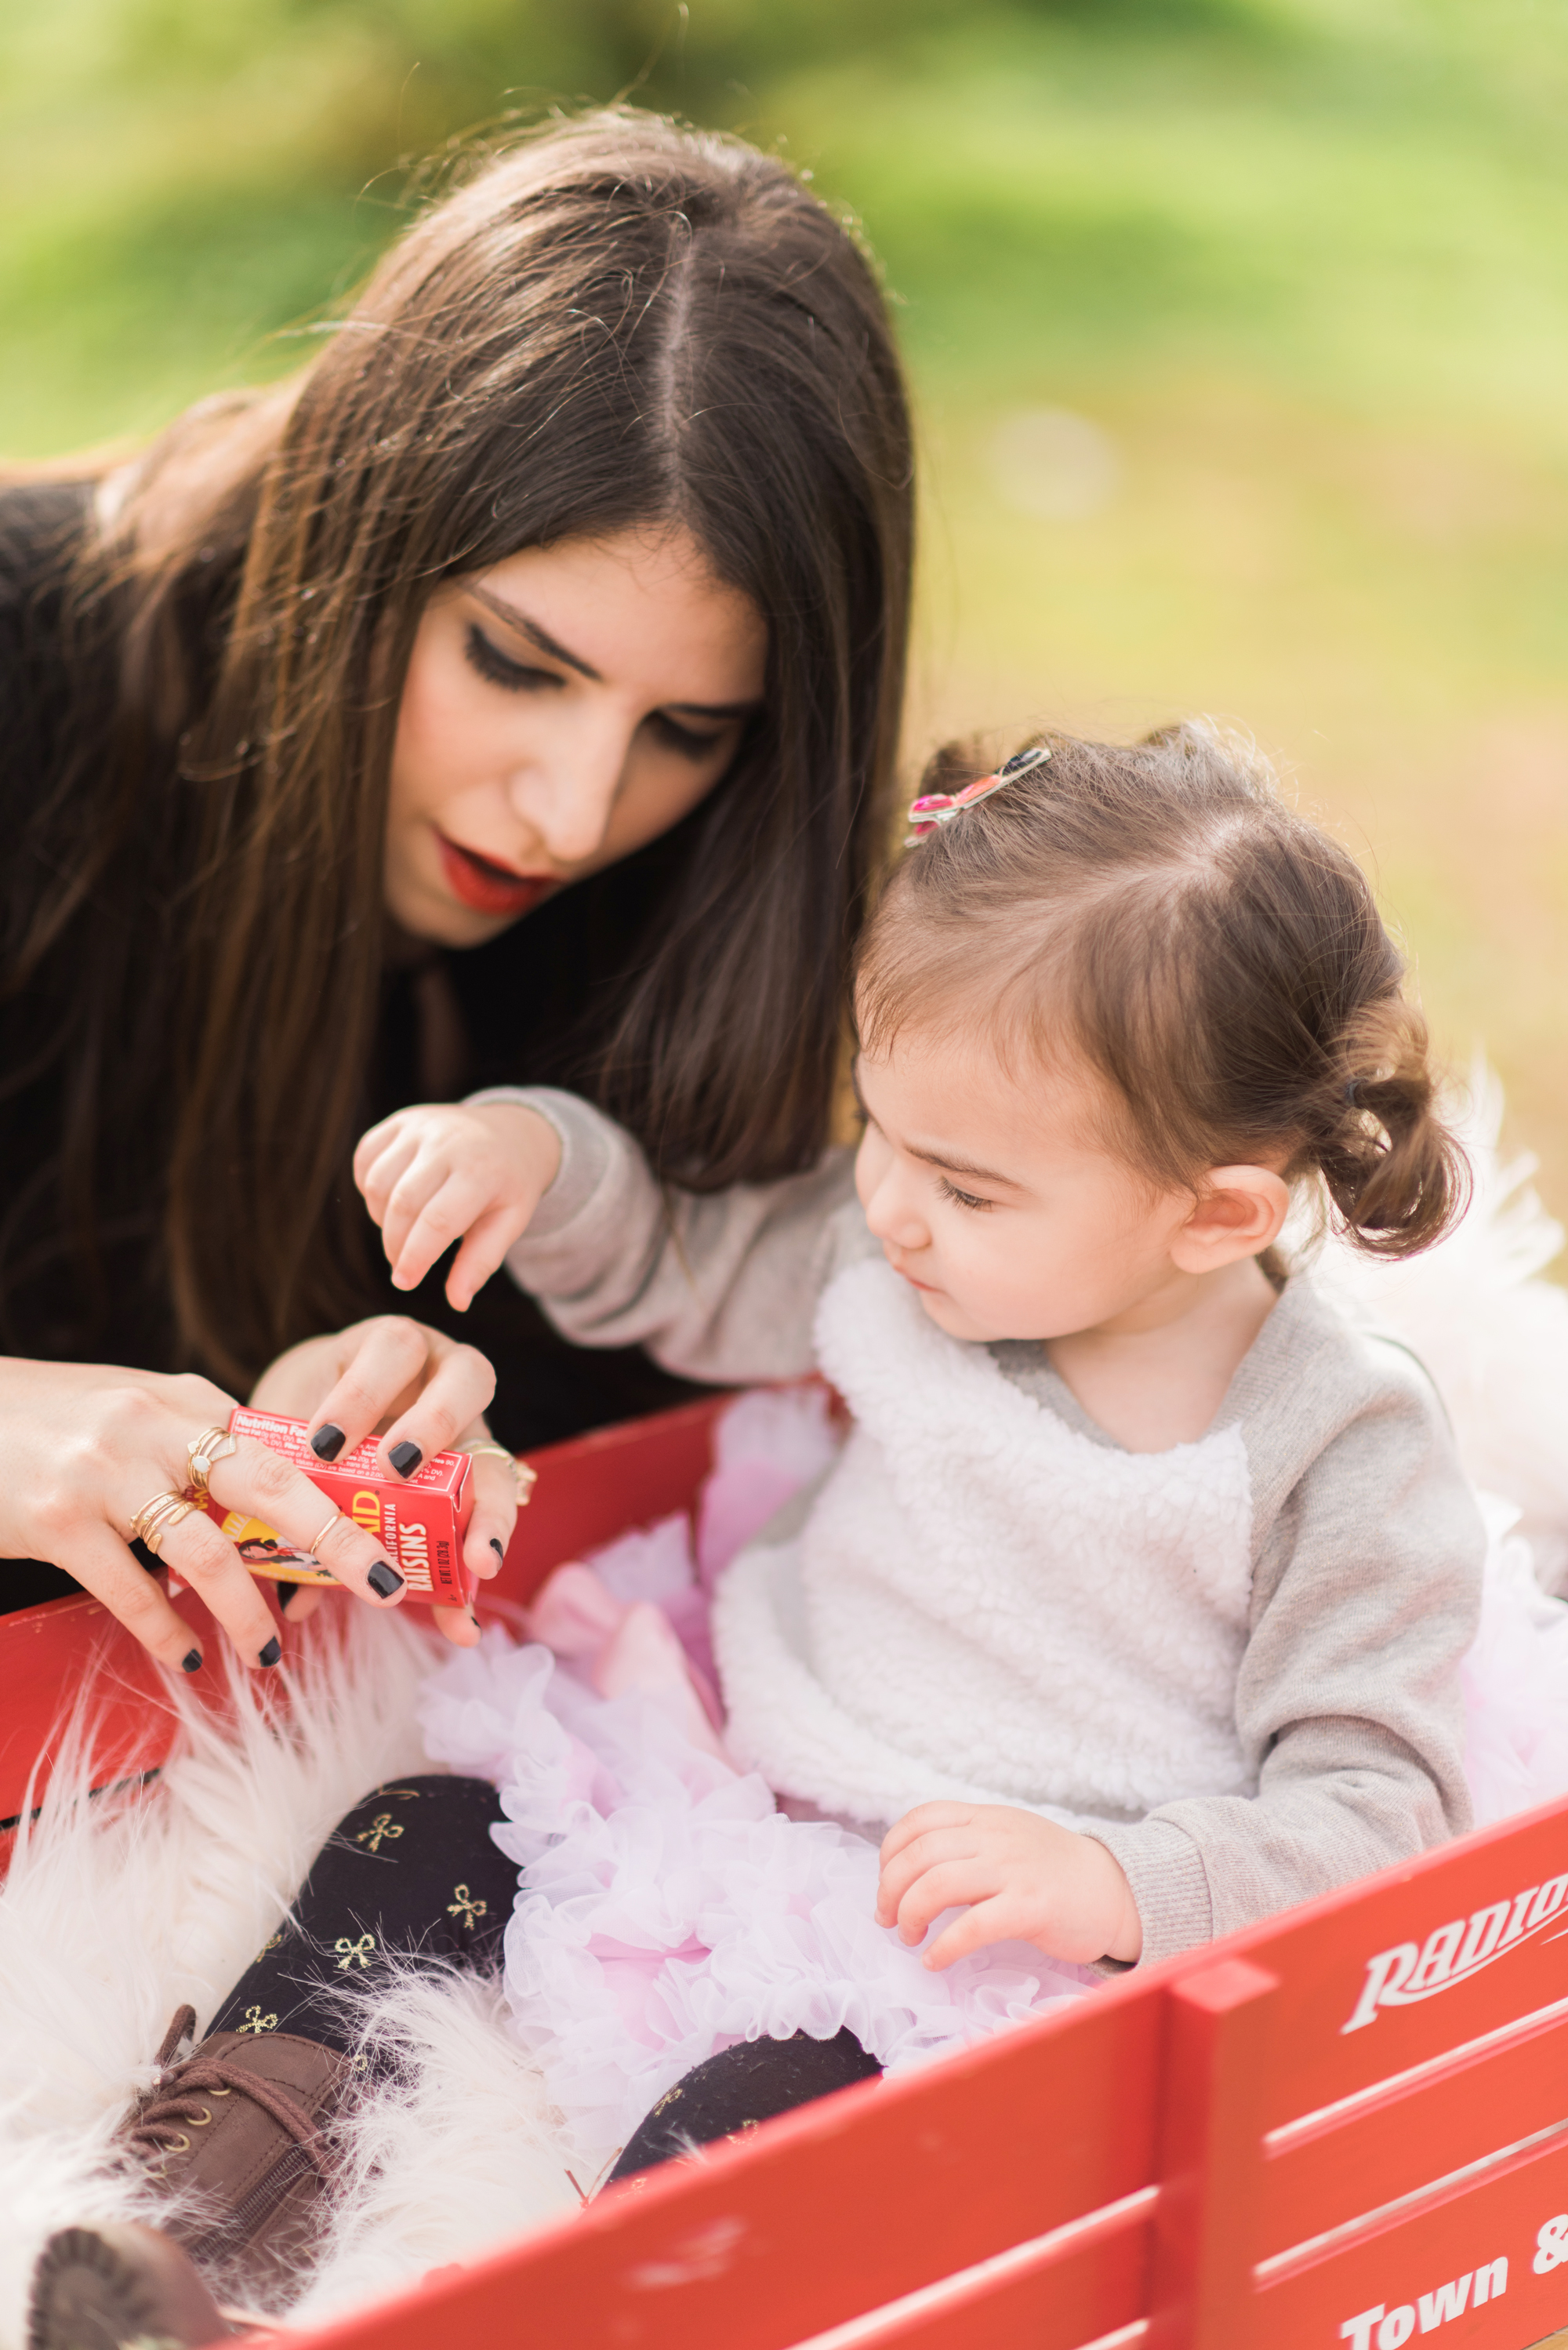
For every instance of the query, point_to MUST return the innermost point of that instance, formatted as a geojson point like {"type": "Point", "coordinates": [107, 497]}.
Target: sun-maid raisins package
{"type": "Point", "coordinates": [420, 1520]}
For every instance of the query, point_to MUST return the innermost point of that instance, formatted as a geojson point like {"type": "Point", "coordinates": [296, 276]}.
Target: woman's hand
{"type": "Point", "coordinates": [421, 1393]}
{"type": "Point", "coordinates": [89, 1447]}
{"type": "Point", "coordinates": [1022, 1878]}
{"type": "Point", "coordinates": [431, 1174]}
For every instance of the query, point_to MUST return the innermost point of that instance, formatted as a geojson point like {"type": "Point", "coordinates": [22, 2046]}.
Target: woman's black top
{"type": "Point", "coordinates": [531, 1006]}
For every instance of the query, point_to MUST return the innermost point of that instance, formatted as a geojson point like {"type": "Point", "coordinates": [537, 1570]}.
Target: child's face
{"type": "Point", "coordinates": [996, 1200]}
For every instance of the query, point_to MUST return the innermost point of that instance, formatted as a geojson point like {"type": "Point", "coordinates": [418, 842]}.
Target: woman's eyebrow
{"type": "Point", "coordinates": [548, 644]}
{"type": "Point", "coordinates": [534, 632]}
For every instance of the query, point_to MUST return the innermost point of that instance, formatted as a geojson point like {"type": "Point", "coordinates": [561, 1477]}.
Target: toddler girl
{"type": "Point", "coordinates": [1133, 1608]}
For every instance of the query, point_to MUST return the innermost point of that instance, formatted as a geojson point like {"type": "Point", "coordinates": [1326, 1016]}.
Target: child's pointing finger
{"type": "Point", "coordinates": [482, 1253]}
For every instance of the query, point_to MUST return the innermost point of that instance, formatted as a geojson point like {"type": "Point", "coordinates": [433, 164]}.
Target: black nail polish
{"type": "Point", "coordinates": [384, 1580]}
{"type": "Point", "coordinates": [192, 1661]}
{"type": "Point", "coordinates": [327, 1441]}
{"type": "Point", "coordinates": [405, 1458]}
{"type": "Point", "coordinates": [286, 1592]}
{"type": "Point", "coordinates": [272, 1653]}
{"type": "Point", "coordinates": [495, 1546]}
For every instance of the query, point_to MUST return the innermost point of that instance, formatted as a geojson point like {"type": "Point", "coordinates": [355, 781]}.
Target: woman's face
{"type": "Point", "coordinates": [560, 710]}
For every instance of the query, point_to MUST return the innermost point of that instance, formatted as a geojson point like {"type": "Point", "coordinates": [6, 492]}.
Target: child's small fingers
{"type": "Point", "coordinates": [482, 1253]}
{"type": "Point", "coordinates": [918, 1823]}
{"type": "Point", "coordinates": [446, 1211]}
{"type": "Point", "coordinates": [986, 1923]}
{"type": "Point", "coordinates": [897, 1877]}
{"type": "Point", "coordinates": [382, 1174]}
{"type": "Point", "coordinates": [929, 1850]}
{"type": "Point", "coordinates": [392, 1144]}
{"type": "Point", "coordinates": [942, 1887]}
{"type": "Point", "coordinates": [372, 1143]}
{"type": "Point", "coordinates": [414, 1250]}
{"type": "Point", "coordinates": [420, 1183]}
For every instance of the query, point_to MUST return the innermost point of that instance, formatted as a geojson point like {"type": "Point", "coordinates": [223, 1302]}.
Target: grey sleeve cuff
{"type": "Point", "coordinates": [587, 1148]}
{"type": "Point", "coordinates": [1170, 1885]}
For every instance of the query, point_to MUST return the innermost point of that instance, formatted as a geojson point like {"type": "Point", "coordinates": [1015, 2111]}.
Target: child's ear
{"type": "Point", "coordinates": [1237, 1213]}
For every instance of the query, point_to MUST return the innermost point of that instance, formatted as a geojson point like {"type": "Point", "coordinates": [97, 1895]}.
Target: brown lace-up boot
{"type": "Point", "coordinates": [237, 2131]}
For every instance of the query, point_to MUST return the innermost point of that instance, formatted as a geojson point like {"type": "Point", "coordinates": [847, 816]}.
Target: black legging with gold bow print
{"type": "Point", "coordinates": [412, 1875]}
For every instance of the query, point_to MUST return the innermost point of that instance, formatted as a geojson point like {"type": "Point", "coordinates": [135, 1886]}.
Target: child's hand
{"type": "Point", "coordinates": [432, 1173]}
{"type": "Point", "coordinates": [1025, 1880]}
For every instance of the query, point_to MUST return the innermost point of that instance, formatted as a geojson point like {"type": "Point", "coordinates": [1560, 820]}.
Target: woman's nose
{"type": "Point", "coordinates": [567, 797]}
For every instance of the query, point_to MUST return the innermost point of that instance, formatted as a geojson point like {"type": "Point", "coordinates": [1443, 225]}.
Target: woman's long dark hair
{"type": "Point", "coordinates": [614, 323]}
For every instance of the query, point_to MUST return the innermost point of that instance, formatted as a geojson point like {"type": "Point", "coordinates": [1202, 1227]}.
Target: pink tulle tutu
{"type": "Point", "coordinates": [668, 1908]}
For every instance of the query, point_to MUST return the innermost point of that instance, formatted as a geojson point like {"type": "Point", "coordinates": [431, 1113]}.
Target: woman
{"type": "Point", "coordinates": [510, 696]}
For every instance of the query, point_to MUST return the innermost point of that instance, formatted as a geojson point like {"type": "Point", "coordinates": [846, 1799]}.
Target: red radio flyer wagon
{"type": "Point", "coordinates": [1348, 2125]}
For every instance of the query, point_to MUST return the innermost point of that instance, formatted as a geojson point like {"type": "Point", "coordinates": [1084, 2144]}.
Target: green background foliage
{"type": "Point", "coordinates": [1238, 328]}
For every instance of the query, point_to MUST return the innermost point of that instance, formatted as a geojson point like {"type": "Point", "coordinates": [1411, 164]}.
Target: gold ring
{"type": "Point", "coordinates": [523, 1478]}
{"type": "Point", "coordinates": [314, 1546]}
{"type": "Point", "coordinates": [157, 1517]}
{"type": "Point", "coordinates": [203, 1452]}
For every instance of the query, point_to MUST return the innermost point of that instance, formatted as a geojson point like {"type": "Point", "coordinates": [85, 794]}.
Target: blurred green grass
{"type": "Point", "coordinates": [1239, 329]}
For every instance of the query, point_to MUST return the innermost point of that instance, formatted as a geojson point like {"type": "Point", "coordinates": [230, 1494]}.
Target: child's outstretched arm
{"type": "Point", "coordinates": [718, 1285]}
{"type": "Point", "coordinates": [1019, 1876]}
{"type": "Point", "coordinates": [446, 1171]}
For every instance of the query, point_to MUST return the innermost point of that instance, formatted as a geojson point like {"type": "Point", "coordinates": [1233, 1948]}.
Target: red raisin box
{"type": "Point", "coordinates": [420, 1520]}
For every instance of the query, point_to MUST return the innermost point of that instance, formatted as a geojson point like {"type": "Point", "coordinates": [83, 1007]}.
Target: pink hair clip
{"type": "Point", "coordinates": [937, 808]}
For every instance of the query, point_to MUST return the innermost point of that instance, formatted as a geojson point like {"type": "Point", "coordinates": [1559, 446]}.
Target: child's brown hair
{"type": "Point", "coordinates": [1212, 954]}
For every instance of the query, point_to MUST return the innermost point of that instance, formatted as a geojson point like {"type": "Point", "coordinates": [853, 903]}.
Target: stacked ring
{"type": "Point", "coordinates": [524, 1479]}
{"type": "Point", "coordinates": [314, 1545]}
{"type": "Point", "coordinates": [204, 1452]}
{"type": "Point", "coordinates": [157, 1517]}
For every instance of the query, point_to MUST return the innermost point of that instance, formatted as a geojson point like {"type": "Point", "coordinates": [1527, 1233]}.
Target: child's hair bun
{"type": "Point", "coordinates": [1395, 1174]}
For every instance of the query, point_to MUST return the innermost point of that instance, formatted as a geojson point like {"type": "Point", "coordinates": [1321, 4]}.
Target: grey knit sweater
{"type": "Point", "coordinates": [1365, 1543]}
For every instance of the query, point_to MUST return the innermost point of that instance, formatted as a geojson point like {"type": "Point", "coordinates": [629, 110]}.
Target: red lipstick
{"type": "Point", "coordinates": [488, 887]}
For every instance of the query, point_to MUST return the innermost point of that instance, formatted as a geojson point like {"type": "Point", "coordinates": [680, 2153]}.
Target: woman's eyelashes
{"type": "Point", "coordinates": [493, 664]}
{"type": "Point", "coordinates": [690, 745]}
{"type": "Point", "coordinates": [520, 677]}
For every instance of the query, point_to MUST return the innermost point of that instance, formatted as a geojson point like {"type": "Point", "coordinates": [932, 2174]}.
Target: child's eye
{"type": "Point", "coordinates": [961, 1199]}
{"type": "Point", "coordinates": [494, 665]}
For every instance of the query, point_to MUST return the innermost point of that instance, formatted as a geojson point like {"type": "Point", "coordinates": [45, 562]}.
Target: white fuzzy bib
{"type": "Point", "coordinates": [984, 1604]}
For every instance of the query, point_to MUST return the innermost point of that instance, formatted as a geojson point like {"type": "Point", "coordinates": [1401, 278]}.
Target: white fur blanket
{"type": "Point", "coordinates": [119, 1908]}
